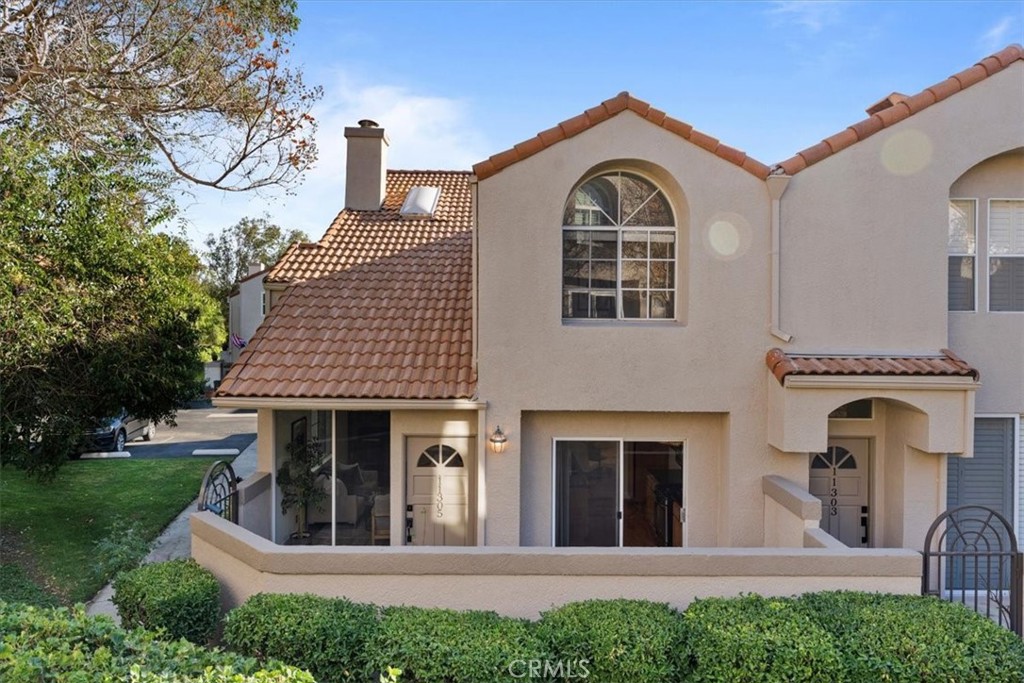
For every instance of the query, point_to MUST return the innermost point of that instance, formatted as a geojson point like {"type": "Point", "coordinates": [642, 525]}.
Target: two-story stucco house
{"type": "Point", "coordinates": [626, 352]}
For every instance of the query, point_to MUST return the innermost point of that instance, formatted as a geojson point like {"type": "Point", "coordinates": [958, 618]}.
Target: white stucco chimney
{"type": "Point", "coordinates": [255, 268]}
{"type": "Point", "coordinates": [366, 167]}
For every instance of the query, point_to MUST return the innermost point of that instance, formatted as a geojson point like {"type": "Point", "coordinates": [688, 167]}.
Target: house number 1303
{"type": "Point", "coordinates": [833, 492]}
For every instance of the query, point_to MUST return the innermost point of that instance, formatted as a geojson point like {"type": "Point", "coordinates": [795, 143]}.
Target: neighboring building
{"type": "Point", "coordinates": [247, 306]}
{"type": "Point", "coordinates": [623, 332]}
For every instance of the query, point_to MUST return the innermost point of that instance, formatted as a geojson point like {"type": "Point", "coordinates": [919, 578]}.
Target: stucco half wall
{"type": "Point", "coordinates": [523, 582]}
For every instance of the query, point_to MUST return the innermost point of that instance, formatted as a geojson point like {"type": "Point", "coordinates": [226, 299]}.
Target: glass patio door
{"type": "Point", "coordinates": [587, 493]}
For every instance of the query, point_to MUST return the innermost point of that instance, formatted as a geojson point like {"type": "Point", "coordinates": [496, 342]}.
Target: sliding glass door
{"type": "Point", "coordinates": [618, 493]}
{"type": "Point", "coordinates": [587, 493]}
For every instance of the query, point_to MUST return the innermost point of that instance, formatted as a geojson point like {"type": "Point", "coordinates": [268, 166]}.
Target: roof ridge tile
{"type": "Point", "coordinates": [607, 109]}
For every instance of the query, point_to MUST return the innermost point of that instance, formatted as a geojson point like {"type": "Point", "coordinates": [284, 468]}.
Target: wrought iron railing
{"type": "Point", "coordinates": [219, 491]}
{"type": "Point", "coordinates": [971, 557]}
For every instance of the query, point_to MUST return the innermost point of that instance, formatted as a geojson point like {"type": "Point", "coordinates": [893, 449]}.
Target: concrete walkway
{"type": "Point", "coordinates": [175, 541]}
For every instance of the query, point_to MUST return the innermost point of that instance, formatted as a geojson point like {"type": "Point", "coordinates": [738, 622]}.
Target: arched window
{"type": "Point", "coordinates": [618, 250]}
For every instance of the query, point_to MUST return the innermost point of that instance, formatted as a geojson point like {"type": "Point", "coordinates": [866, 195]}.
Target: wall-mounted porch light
{"type": "Point", "coordinates": [498, 440]}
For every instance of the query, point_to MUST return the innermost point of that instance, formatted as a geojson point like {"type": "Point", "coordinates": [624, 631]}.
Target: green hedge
{"type": "Point", "coordinates": [754, 639]}
{"type": "Point", "coordinates": [912, 638]}
{"type": "Point", "coordinates": [178, 596]}
{"type": "Point", "coordinates": [67, 645]}
{"type": "Point", "coordinates": [618, 641]}
{"type": "Point", "coordinates": [444, 646]}
{"type": "Point", "coordinates": [326, 636]}
{"type": "Point", "coordinates": [837, 637]}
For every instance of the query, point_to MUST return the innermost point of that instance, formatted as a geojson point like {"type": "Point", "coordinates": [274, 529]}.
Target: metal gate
{"type": "Point", "coordinates": [971, 557]}
{"type": "Point", "coordinates": [219, 491]}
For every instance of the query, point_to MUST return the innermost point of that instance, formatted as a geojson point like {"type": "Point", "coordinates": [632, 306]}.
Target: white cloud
{"type": "Point", "coordinates": [426, 131]}
{"type": "Point", "coordinates": [997, 37]}
{"type": "Point", "coordinates": [813, 15]}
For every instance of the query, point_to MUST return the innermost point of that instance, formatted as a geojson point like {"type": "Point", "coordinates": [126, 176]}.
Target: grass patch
{"type": "Point", "coordinates": [16, 586]}
{"type": "Point", "coordinates": [57, 525]}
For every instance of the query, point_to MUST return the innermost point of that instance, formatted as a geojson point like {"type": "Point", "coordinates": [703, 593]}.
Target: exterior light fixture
{"type": "Point", "coordinates": [498, 440]}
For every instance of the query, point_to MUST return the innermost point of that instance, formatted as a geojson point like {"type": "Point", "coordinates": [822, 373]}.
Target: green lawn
{"type": "Point", "coordinates": [50, 530]}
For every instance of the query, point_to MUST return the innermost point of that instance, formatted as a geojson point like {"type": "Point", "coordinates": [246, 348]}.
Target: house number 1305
{"type": "Point", "coordinates": [440, 499]}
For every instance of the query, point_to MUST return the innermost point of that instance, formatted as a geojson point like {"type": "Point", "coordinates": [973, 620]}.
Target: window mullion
{"type": "Point", "coordinates": [620, 313]}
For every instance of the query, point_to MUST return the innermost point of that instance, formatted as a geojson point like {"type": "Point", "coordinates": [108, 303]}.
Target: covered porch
{"type": "Point", "coordinates": [874, 434]}
{"type": "Point", "coordinates": [362, 473]}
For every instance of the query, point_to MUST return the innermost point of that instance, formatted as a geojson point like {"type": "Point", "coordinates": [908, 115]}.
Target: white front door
{"type": "Point", "coordinates": [839, 477]}
{"type": "Point", "coordinates": [438, 490]}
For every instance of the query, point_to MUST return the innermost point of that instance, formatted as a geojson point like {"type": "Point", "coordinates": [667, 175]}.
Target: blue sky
{"type": "Point", "coordinates": [456, 82]}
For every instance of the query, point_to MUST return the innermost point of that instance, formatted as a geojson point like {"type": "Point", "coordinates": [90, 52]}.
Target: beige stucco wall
{"type": "Point", "coordinates": [992, 342]}
{"type": "Point", "coordinates": [708, 361]}
{"type": "Point", "coordinates": [914, 481]}
{"type": "Point", "coordinates": [523, 582]}
{"type": "Point", "coordinates": [940, 420]}
{"type": "Point", "coordinates": [864, 231]}
{"type": "Point", "coordinates": [255, 504]}
{"type": "Point", "coordinates": [790, 511]}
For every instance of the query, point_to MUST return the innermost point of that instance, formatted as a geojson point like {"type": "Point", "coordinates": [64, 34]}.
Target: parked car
{"type": "Point", "coordinates": [112, 433]}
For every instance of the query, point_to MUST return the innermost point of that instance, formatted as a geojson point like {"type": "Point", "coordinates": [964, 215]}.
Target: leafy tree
{"type": "Point", "coordinates": [203, 83]}
{"type": "Point", "coordinates": [230, 253]}
{"type": "Point", "coordinates": [97, 311]}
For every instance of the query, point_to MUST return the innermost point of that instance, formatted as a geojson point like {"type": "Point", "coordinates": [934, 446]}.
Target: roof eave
{"type": "Point", "coordinates": [299, 403]}
{"type": "Point", "coordinates": [604, 111]}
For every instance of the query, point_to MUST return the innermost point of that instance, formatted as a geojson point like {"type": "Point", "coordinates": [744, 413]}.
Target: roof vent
{"type": "Point", "coordinates": [421, 202]}
{"type": "Point", "coordinates": [886, 102]}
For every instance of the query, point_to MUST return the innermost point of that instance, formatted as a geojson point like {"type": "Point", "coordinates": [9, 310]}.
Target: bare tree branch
{"type": "Point", "coordinates": [205, 82]}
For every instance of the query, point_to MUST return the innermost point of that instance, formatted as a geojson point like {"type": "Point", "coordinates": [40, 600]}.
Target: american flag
{"type": "Point", "coordinates": [237, 341]}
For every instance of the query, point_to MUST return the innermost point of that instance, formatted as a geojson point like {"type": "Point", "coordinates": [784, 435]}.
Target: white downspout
{"type": "Point", "coordinates": [777, 185]}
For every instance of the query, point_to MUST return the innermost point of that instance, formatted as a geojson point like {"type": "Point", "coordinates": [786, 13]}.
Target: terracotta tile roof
{"type": "Point", "coordinates": [379, 308]}
{"type": "Point", "coordinates": [947, 365]}
{"type": "Point", "coordinates": [897, 107]}
{"type": "Point", "coordinates": [607, 109]}
{"type": "Point", "coordinates": [359, 236]}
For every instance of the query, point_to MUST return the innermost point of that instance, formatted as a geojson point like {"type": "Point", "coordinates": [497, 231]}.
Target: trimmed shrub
{"type": "Point", "coordinates": [619, 641]}
{"type": "Point", "coordinates": [179, 597]}
{"type": "Point", "coordinates": [326, 636]}
{"type": "Point", "coordinates": [444, 646]}
{"type": "Point", "coordinates": [67, 645]}
{"type": "Point", "coordinates": [753, 639]}
{"type": "Point", "coordinates": [914, 638]}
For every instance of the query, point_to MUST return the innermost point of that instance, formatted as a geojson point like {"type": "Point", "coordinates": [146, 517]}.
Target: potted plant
{"type": "Point", "coordinates": [298, 477]}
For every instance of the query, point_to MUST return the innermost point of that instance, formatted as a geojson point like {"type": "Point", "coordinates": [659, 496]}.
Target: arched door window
{"type": "Point", "coordinates": [440, 456]}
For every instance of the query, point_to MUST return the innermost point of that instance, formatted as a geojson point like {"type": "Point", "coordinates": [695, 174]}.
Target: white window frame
{"type": "Point", "coordinates": [618, 230]}
{"type": "Point", "coordinates": [621, 441]}
{"type": "Point", "coordinates": [977, 255]}
{"type": "Point", "coordinates": [988, 253]}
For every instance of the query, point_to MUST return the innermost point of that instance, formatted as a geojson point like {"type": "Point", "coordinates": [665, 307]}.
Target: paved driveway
{"type": "Point", "coordinates": [199, 429]}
